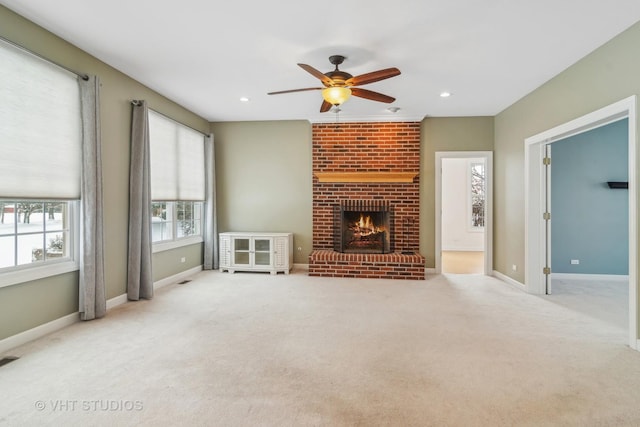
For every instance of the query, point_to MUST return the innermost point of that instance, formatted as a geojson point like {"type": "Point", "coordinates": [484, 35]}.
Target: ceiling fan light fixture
{"type": "Point", "coordinates": [336, 95]}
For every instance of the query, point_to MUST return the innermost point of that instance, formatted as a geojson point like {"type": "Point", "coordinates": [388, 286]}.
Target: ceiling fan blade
{"type": "Point", "coordinates": [369, 94]}
{"type": "Point", "coordinates": [295, 90]}
{"type": "Point", "coordinates": [374, 76]}
{"type": "Point", "coordinates": [324, 79]}
{"type": "Point", "coordinates": [325, 107]}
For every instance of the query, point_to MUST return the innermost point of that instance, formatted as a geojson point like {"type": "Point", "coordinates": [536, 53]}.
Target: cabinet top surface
{"type": "Point", "coordinates": [250, 234]}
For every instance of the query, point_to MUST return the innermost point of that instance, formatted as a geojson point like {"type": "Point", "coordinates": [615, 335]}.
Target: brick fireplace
{"type": "Point", "coordinates": [367, 164]}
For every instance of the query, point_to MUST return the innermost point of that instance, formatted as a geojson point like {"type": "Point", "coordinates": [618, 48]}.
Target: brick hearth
{"type": "Point", "coordinates": [373, 266]}
{"type": "Point", "coordinates": [368, 149]}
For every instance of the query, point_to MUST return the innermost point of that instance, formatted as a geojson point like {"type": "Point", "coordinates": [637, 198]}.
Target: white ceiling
{"type": "Point", "coordinates": [205, 55]}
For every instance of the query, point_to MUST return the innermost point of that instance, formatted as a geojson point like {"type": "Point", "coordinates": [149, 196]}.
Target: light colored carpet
{"type": "Point", "coordinates": [261, 350]}
{"type": "Point", "coordinates": [604, 299]}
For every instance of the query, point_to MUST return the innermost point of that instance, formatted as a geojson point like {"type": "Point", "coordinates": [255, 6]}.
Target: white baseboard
{"type": "Point", "coordinates": [38, 332]}
{"type": "Point", "coordinates": [429, 270]}
{"type": "Point", "coordinates": [55, 325]}
{"type": "Point", "coordinates": [114, 302]}
{"type": "Point", "coordinates": [176, 277]}
{"type": "Point", "coordinates": [463, 249]}
{"type": "Point", "coordinates": [508, 280]}
{"type": "Point", "coordinates": [574, 276]}
{"type": "Point", "coordinates": [304, 267]}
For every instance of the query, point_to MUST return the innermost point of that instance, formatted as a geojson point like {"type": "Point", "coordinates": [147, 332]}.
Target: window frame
{"type": "Point", "coordinates": [32, 271]}
{"type": "Point", "coordinates": [177, 242]}
{"type": "Point", "coordinates": [470, 165]}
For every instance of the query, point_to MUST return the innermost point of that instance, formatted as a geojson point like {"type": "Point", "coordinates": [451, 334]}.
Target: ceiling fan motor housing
{"type": "Point", "coordinates": [338, 77]}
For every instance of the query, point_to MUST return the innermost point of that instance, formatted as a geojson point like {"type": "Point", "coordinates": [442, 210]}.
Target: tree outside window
{"type": "Point", "coordinates": [477, 195]}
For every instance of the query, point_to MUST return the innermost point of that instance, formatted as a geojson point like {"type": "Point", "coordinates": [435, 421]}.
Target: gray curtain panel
{"type": "Point", "coordinates": [139, 273]}
{"type": "Point", "coordinates": [93, 303]}
{"type": "Point", "coordinates": [210, 216]}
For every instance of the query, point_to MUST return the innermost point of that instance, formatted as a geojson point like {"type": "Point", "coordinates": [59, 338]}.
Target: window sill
{"type": "Point", "coordinates": [165, 246]}
{"type": "Point", "coordinates": [29, 274]}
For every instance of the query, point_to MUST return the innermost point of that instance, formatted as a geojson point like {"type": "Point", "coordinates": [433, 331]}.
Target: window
{"type": "Point", "coordinates": [40, 166]}
{"type": "Point", "coordinates": [175, 220]}
{"type": "Point", "coordinates": [177, 183]}
{"type": "Point", "coordinates": [34, 232]}
{"type": "Point", "coordinates": [477, 190]}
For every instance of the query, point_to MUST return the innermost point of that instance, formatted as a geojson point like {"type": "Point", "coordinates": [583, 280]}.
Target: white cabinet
{"type": "Point", "coordinates": [243, 251]}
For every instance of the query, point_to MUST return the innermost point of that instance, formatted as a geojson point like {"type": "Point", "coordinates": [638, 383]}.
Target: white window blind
{"type": "Point", "coordinates": [177, 160]}
{"type": "Point", "coordinates": [40, 128]}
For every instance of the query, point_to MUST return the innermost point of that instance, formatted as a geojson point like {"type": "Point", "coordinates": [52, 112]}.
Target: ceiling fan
{"type": "Point", "coordinates": [339, 85]}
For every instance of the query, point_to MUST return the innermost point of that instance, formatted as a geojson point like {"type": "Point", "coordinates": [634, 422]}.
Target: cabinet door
{"type": "Point", "coordinates": [262, 251]}
{"type": "Point", "coordinates": [225, 251]}
{"type": "Point", "coordinates": [241, 251]}
{"type": "Point", "coordinates": [280, 252]}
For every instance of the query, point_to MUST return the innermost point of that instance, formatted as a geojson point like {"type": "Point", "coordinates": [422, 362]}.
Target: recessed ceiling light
{"type": "Point", "coordinates": [244, 99]}
{"type": "Point", "coordinates": [445, 94]}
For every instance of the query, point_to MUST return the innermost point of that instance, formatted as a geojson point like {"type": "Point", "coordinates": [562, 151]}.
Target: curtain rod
{"type": "Point", "coordinates": [83, 76]}
{"type": "Point", "coordinates": [138, 103]}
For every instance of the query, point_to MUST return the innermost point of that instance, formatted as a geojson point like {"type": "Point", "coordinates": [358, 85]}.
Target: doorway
{"type": "Point", "coordinates": [537, 253]}
{"type": "Point", "coordinates": [464, 212]}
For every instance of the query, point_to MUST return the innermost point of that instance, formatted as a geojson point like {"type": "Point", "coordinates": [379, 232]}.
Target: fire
{"type": "Point", "coordinates": [366, 226]}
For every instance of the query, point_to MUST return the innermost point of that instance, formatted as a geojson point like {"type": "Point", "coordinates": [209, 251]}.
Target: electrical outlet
{"type": "Point", "coordinates": [514, 267]}
{"type": "Point", "coordinates": [575, 261]}
{"type": "Point", "coordinates": [183, 259]}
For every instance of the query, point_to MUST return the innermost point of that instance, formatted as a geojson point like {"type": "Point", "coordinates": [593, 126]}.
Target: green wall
{"type": "Point", "coordinates": [23, 306]}
{"type": "Point", "coordinates": [264, 179]}
{"type": "Point", "coordinates": [445, 134]}
{"type": "Point", "coordinates": [607, 75]}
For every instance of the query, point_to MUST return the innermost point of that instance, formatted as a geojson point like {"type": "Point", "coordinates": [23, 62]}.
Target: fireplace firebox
{"type": "Point", "coordinates": [363, 226]}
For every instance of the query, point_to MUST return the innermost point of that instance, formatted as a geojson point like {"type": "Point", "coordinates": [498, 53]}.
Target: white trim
{"type": "Point", "coordinates": [304, 267]}
{"type": "Point", "coordinates": [116, 301]}
{"type": "Point", "coordinates": [534, 198]}
{"type": "Point", "coordinates": [38, 332]}
{"type": "Point", "coordinates": [462, 248]}
{"type": "Point", "coordinates": [488, 229]}
{"type": "Point", "coordinates": [176, 277]}
{"type": "Point", "coordinates": [174, 244]}
{"type": "Point", "coordinates": [429, 270]}
{"type": "Point", "coordinates": [582, 276]}
{"type": "Point", "coordinates": [508, 280]}
{"type": "Point", "coordinates": [36, 273]}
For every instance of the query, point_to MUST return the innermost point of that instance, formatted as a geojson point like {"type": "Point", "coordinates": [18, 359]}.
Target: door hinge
{"type": "Point", "coordinates": [546, 161]}
{"type": "Point", "coordinates": [546, 216]}
{"type": "Point", "coordinates": [546, 270]}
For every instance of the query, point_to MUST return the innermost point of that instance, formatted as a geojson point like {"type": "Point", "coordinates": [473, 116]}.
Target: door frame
{"type": "Point", "coordinates": [535, 194]}
{"type": "Point", "coordinates": [488, 221]}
